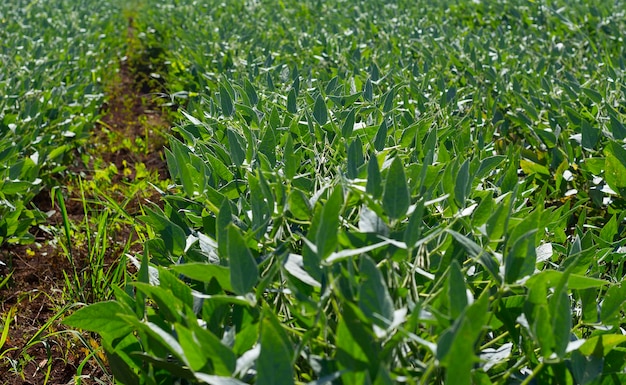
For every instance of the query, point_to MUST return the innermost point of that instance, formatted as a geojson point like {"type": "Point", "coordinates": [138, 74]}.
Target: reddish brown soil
{"type": "Point", "coordinates": [36, 288]}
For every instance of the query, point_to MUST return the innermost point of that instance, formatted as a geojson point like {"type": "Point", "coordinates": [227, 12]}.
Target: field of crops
{"type": "Point", "coordinates": [361, 192]}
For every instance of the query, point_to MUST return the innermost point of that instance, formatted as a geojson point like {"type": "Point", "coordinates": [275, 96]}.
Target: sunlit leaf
{"type": "Point", "coordinates": [326, 236]}
{"type": "Point", "coordinates": [244, 272]}
{"type": "Point", "coordinates": [457, 295]}
{"type": "Point", "coordinates": [274, 365]}
{"type": "Point", "coordinates": [228, 108]}
{"type": "Point", "coordinates": [100, 318]}
{"type": "Point", "coordinates": [320, 112]}
{"type": "Point", "coordinates": [396, 197]}
{"type": "Point", "coordinates": [374, 299]}
{"type": "Point", "coordinates": [463, 184]}
{"type": "Point", "coordinates": [374, 185]}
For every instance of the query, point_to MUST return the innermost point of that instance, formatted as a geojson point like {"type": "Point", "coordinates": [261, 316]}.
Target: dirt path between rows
{"type": "Point", "coordinates": [126, 145]}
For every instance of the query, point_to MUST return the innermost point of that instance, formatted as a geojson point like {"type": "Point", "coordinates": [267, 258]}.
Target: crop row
{"type": "Point", "coordinates": [375, 192]}
{"type": "Point", "coordinates": [53, 58]}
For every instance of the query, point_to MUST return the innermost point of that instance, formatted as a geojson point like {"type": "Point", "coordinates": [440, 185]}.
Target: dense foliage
{"type": "Point", "coordinates": [381, 192]}
{"type": "Point", "coordinates": [53, 56]}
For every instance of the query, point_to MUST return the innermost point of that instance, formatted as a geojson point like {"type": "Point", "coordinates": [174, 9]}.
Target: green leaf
{"type": "Point", "coordinates": [457, 295]}
{"type": "Point", "coordinates": [541, 328]}
{"type": "Point", "coordinates": [224, 218]}
{"type": "Point", "coordinates": [573, 115]}
{"type": "Point", "coordinates": [617, 127]}
{"type": "Point", "coordinates": [251, 92]}
{"type": "Point", "coordinates": [496, 225]}
{"type": "Point", "coordinates": [195, 355]}
{"type": "Point", "coordinates": [171, 283]}
{"type": "Point", "coordinates": [388, 100]}
{"type": "Point", "coordinates": [413, 231]}
{"type": "Point", "coordinates": [331, 86]}
{"type": "Point", "coordinates": [237, 149]}
{"type": "Point", "coordinates": [592, 94]}
{"type": "Point", "coordinates": [356, 347]}
{"type": "Point", "coordinates": [348, 124]}
{"type": "Point", "coordinates": [170, 307]}
{"type": "Point", "coordinates": [448, 180]}
{"type": "Point", "coordinates": [588, 300]}
{"type": "Point", "coordinates": [574, 282]}
{"type": "Point", "coordinates": [291, 102]}
{"type": "Point", "coordinates": [172, 235]}
{"type": "Point", "coordinates": [163, 337]}
{"type": "Point", "coordinates": [58, 151]}
{"type": "Point", "coordinates": [450, 94]}
{"type": "Point", "coordinates": [510, 179]}
{"type": "Point", "coordinates": [328, 228]}
{"type": "Point", "coordinates": [268, 146]}
{"type": "Point", "coordinates": [381, 136]}
{"type": "Point", "coordinates": [601, 345]}
{"type": "Point", "coordinates": [383, 378]}
{"type": "Point", "coordinates": [226, 101]}
{"type": "Point", "coordinates": [561, 315]}
{"type": "Point", "coordinates": [581, 282]}
{"type": "Point", "coordinates": [547, 137]}
{"type": "Point", "coordinates": [531, 168]}
{"type": "Point", "coordinates": [521, 258]}
{"type": "Point", "coordinates": [480, 378]}
{"type": "Point", "coordinates": [295, 75]}
{"type": "Point", "coordinates": [270, 82]}
{"type": "Point", "coordinates": [244, 272]}
{"type": "Point", "coordinates": [274, 365]}
{"type": "Point", "coordinates": [429, 148]}
{"type": "Point", "coordinates": [610, 229]}
{"type": "Point", "coordinates": [205, 272]}
{"type": "Point", "coordinates": [164, 366]}
{"type": "Point", "coordinates": [274, 119]}
{"type": "Point", "coordinates": [295, 266]}
{"type": "Point", "coordinates": [260, 205]}
{"type": "Point", "coordinates": [299, 205]}
{"type": "Point", "coordinates": [586, 370]}
{"type": "Point", "coordinates": [320, 112]}
{"type": "Point", "coordinates": [101, 318]}
{"type": "Point", "coordinates": [484, 210]}
{"type": "Point", "coordinates": [549, 321]}
{"type": "Point", "coordinates": [455, 348]}
{"type": "Point", "coordinates": [488, 164]}
{"type": "Point", "coordinates": [370, 222]}
{"type": "Point", "coordinates": [355, 158]}
{"type": "Point", "coordinates": [396, 197]}
{"type": "Point", "coordinates": [181, 157]}
{"type": "Point", "coordinates": [368, 90]}
{"type": "Point", "coordinates": [311, 258]}
{"type": "Point", "coordinates": [463, 184]}
{"type": "Point", "coordinates": [223, 359]}
{"type": "Point", "coordinates": [374, 299]}
{"type": "Point", "coordinates": [219, 168]}
{"type": "Point", "coordinates": [590, 135]}
{"type": "Point", "coordinates": [291, 159]}
{"type": "Point", "coordinates": [346, 100]}
{"type": "Point", "coordinates": [615, 166]}
{"type": "Point", "coordinates": [612, 304]}
{"type": "Point", "coordinates": [374, 184]}
{"type": "Point", "coordinates": [478, 253]}
{"type": "Point", "coordinates": [124, 367]}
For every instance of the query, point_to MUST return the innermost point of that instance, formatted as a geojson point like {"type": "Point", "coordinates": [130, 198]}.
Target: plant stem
{"type": "Point", "coordinates": [428, 372]}
{"type": "Point", "coordinates": [538, 368]}
{"type": "Point", "coordinates": [493, 341]}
